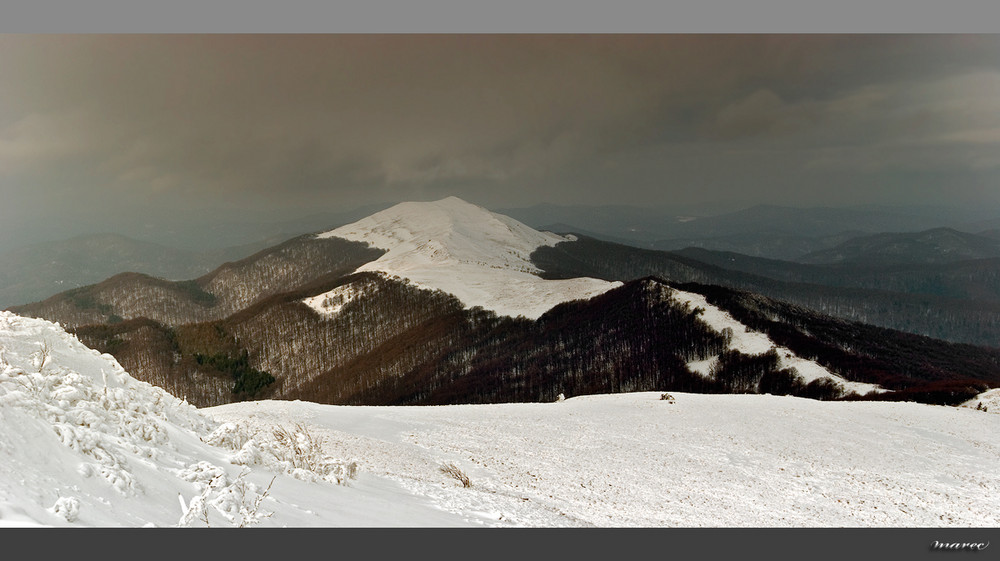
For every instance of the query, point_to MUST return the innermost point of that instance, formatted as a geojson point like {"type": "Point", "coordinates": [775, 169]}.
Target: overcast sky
{"type": "Point", "coordinates": [101, 125]}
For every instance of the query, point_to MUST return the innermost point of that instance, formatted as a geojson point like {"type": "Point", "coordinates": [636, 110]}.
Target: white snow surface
{"type": "Point", "coordinates": [752, 342]}
{"type": "Point", "coordinates": [988, 400]}
{"type": "Point", "coordinates": [480, 257]}
{"type": "Point", "coordinates": [634, 460]}
{"type": "Point", "coordinates": [82, 443]}
{"type": "Point", "coordinates": [76, 450]}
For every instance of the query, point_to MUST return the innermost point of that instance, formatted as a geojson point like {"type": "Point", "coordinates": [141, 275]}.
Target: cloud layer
{"type": "Point", "coordinates": [286, 123]}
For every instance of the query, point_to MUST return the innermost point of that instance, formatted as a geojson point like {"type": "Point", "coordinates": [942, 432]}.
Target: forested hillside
{"type": "Point", "coordinates": [393, 343]}
{"type": "Point", "coordinates": [442, 302]}
{"type": "Point", "coordinates": [974, 279]}
{"type": "Point", "coordinates": [938, 316]}
{"type": "Point", "coordinates": [219, 294]}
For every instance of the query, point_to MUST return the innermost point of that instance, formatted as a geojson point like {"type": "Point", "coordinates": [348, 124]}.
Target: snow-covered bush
{"type": "Point", "coordinates": [42, 355]}
{"type": "Point", "coordinates": [294, 451]}
{"type": "Point", "coordinates": [238, 501]}
{"type": "Point", "coordinates": [81, 407]}
{"type": "Point", "coordinates": [67, 507]}
{"type": "Point", "coordinates": [101, 422]}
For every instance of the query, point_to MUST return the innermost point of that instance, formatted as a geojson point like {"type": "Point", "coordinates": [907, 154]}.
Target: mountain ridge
{"type": "Point", "coordinates": [35, 272]}
{"type": "Point", "coordinates": [955, 312]}
{"type": "Point", "coordinates": [346, 316]}
{"type": "Point", "coordinates": [933, 246]}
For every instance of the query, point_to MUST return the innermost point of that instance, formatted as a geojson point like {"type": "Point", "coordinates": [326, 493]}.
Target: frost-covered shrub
{"type": "Point", "coordinates": [238, 501]}
{"type": "Point", "coordinates": [294, 451]}
{"type": "Point", "coordinates": [231, 436]}
{"type": "Point", "coordinates": [67, 507]}
{"type": "Point", "coordinates": [104, 423]}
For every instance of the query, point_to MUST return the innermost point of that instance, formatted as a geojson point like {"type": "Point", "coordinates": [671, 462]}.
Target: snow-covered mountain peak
{"type": "Point", "coordinates": [481, 257]}
{"type": "Point", "coordinates": [448, 231]}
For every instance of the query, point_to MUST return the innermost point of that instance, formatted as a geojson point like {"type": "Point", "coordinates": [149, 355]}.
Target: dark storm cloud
{"type": "Point", "coordinates": [303, 121]}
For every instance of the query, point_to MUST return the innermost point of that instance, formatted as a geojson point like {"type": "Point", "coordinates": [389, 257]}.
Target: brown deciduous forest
{"type": "Point", "coordinates": [244, 332]}
{"type": "Point", "coordinates": [926, 301]}
{"type": "Point", "coordinates": [405, 345]}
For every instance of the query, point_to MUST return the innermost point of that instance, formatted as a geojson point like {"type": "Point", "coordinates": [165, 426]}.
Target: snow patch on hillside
{"type": "Point", "coordinates": [988, 400]}
{"type": "Point", "coordinates": [752, 342]}
{"type": "Point", "coordinates": [481, 257]}
{"type": "Point", "coordinates": [330, 303]}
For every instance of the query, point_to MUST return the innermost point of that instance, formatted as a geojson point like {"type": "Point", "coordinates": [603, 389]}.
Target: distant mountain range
{"type": "Point", "coordinates": [40, 270]}
{"type": "Point", "coordinates": [771, 231]}
{"type": "Point", "coordinates": [817, 235]}
{"type": "Point", "coordinates": [950, 302]}
{"type": "Point", "coordinates": [186, 250]}
{"type": "Point", "coordinates": [446, 302]}
{"type": "Point", "coordinates": [938, 245]}
{"type": "Point", "coordinates": [919, 273]}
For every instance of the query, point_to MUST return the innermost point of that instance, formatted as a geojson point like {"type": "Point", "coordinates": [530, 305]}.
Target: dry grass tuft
{"type": "Point", "coordinates": [456, 473]}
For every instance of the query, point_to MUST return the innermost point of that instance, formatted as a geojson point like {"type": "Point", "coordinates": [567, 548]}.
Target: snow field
{"type": "Point", "coordinates": [704, 461]}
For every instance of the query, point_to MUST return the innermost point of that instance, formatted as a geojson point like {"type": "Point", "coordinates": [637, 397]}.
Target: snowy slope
{"type": "Point", "coordinates": [330, 303]}
{"type": "Point", "coordinates": [988, 401]}
{"type": "Point", "coordinates": [481, 257]}
{"type": "Point", "coordinates": [84, 444]}
{"type": "Point", "coordinates": [752, 342]}
{"type": "Point", "coordinates": [628, 460]}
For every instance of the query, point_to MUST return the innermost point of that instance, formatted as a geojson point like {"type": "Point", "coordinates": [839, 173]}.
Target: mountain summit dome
{"type": "Point", "coordinates": [481, 257]}
{"type": "Point", "coordinates": [449, 231]}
